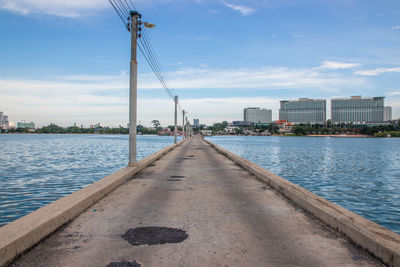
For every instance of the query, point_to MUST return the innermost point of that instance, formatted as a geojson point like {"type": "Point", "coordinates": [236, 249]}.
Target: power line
{"type": "Point", "coordinates": [123, 9]}
{"type": "Point", "coordinates": [132, 4]}
{"type": "Point", "coordinates": [129, 7]}
{"type": "Point", "coordinates": [155, 55]}
{"type": "Point", "coordinates": [119, 15]}
{"type": "Point", "coordinates": [151, 64]}
{"type": "Point", "coordinates": [153, 61]}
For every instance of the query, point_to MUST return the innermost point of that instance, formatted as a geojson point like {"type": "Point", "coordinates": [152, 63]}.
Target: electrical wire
{"type": "Point", "coordinates": [132, 4]}
{"type": "Point", "coordinates": [119, 14]}
{"type": "Point", "coordinates": [123, 8]}
{"type": "Point", "coordinates": [152, 66]}
{"type": "Point", "coordinates": [147, 39]}
{"type": "Point", "coordinates": [153, 61]}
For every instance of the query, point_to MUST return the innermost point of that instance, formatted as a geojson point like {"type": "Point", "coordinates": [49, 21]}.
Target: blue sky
{"type": "Point", "coordinates": [67, 61]}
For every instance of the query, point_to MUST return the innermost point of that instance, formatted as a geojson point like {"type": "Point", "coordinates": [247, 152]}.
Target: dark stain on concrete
{"type": "Point", "coordinates": [177, 176]}
{"type": "Point", "coordinates": [153, 235]}
{"type": "Point", "coordinates": [174, 180]}
{"type": "Point", "coordinates": [124, 264]}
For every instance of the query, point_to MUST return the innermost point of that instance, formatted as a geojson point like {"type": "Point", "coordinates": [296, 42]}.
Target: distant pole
{"type": "Point", "coordinates": [133, 90]}
{"type": "Point", "coordinates": [183, 124]}
{"type": "Point", "coordinates": [176, 118]}
{"type": "Point", "coordinates": [187, 127]}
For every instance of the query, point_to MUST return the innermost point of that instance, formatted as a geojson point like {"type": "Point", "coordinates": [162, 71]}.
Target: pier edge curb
{"type": "Point", "coordinates": [22, 234]}
{"type": "Point", "coordinates": [377, 240]}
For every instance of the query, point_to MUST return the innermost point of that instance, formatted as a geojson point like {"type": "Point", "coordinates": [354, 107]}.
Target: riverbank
{"type": "Point", "coordinates": [342, 135]}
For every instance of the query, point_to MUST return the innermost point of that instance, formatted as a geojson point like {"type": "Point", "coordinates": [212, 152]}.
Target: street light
{"type": "Point", "coordinates": [149, 25]}
{"type": "Point", "coordinates": [135, 28]}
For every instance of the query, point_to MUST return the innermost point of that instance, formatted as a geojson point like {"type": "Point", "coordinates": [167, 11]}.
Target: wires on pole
{"type": "Point", "coordinates": [123, 8]}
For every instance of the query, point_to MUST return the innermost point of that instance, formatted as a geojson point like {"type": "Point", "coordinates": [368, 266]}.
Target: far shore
{"type": "Point", "coordinates": [343, 135]}
{"type": "Point", "coordinates": [278, 135]}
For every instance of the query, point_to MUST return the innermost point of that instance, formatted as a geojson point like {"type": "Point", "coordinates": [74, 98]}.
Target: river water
{"type": "Point", "coordinates": [38, 169]}
{"type": "Point", "coordinates": [359, 174]}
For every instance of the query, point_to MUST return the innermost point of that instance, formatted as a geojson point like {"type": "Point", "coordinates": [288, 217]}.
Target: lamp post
{"type": "Point", "coordinates": [176, 119]}
{"type": "Point", "coordinates": [135, 28]}
{"type": "Point", "coordinates": [183, 124]}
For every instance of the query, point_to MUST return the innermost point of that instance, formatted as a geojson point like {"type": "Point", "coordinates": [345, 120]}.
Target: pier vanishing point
{"type": "Point", "coordinates": [195, 204]}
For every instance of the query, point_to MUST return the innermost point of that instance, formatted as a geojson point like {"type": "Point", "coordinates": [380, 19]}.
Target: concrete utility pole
{"type": "Point", "coordinates": [133, 89]}
{"type": "Point", "coordinates": [187, 128]}
{"type": "Point", "coordinates": [176, 118]}
{"type": "Point", "coordinates": [183, 124]}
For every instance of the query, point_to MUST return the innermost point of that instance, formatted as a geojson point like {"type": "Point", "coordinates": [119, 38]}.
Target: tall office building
{"type": "Point", "coordinates": [304, 110]}
{"type": "Point", "coordinates": [4, 123]}
{"type": "Point", "coordinates": [357, 109]}
{"type": "Point", "coordinates": [388, 114]}
{"type": "Point", "coordinates": [257, 115]}
{"type": "Point", "coordinates": [196, 122]}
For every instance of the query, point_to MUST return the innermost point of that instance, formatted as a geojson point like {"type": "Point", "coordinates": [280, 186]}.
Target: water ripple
{"type": "Point", "coordinates": [359, 174]}
{"type": "Point", "coordinates": [36, 170]}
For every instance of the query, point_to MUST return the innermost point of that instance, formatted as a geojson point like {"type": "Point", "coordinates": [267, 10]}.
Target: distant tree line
{"type": "Point", "coordinates": [310, 129]}
{"type": "Point", "coordinates": [345, 128]}
{"type": "Point", "coordinates": [55, 129]}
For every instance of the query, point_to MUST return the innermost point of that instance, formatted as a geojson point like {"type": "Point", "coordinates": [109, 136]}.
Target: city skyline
{"type": "Point", "coordinates": [67, 63]}
{"type": "Point", "coordinates": [254, 114]}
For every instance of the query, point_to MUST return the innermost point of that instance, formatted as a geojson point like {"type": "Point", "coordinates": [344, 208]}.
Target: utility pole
{"type": "Point", "coordinates": [187, 128]}
{"type": "Point", "coordinates": [183, 124]}
{"type": "Point", "coordinates": [134, 16]}
{"type": "Point", "coordinates": [176, 118]}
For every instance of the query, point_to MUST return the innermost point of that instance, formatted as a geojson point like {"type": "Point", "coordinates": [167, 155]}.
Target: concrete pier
{"type": "Point", "coordinates": [231, 219]}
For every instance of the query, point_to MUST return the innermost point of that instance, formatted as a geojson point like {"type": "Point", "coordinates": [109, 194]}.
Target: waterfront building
{"type": "Point", "coordinates": [257, 115]}
{"type": "Point", "coordinates": [388, 114]}
{"type": "Point", "coordinates": [4, 123]}
{"type": "Point", "coordinates": [230, 130]}
{"type": "Point", "coordinates": [206, 132]}
{"type": "Point", "coordinates": [26, 125]}
{"type": "Point", "coordinates": [241, 123]}
{"type": "Point", "coordinates": [196, 122]}
{"type": "Point", "coordinates": [304, 110]}
{"type": "Point", "coordinates": [284, 126]}
{"type": "Point", "coordinates": [358, 110]}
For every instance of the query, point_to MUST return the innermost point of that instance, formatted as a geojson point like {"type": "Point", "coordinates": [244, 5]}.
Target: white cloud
{"type": "Point", "coordinates": [242, 9]}
{"type": "Point", "coordinates": [63, 8]}
{"type": "Point", "coordinates": [396, 93]}
{"type": "Point", "coordinates": [334, 65]}
{"type": "Point", "coordinates": [397, 27]}
{"type": "Point", "coordinates": [262, 78]}
{"type": "Point", "coordinates": [90, 99]}
{"type": "Point", "coordinates": [378, 71]}
{"type": "Point", "coordinates": [84, 105]}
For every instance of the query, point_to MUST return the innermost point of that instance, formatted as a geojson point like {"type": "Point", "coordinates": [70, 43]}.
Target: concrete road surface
{"type": "Point", "coordinates": [231, 219]}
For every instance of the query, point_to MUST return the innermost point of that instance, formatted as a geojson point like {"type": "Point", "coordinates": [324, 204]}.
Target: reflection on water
{"type": "Point", "coordinates": [38, 169]}
{"type": "Point", "coordinates": [359, 174]}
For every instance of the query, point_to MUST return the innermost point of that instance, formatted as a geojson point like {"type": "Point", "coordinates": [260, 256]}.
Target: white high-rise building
{"type": "Point", "coordinates": [304, 110]}
{"type": "Point", "coordinates": [4, 124]}
{"type": "Point", "coordinates": [357, 109]}
{"type": "Point", "coordinates": [387, 114]}
{"type": "Point", "coordinates": [257, 115]}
